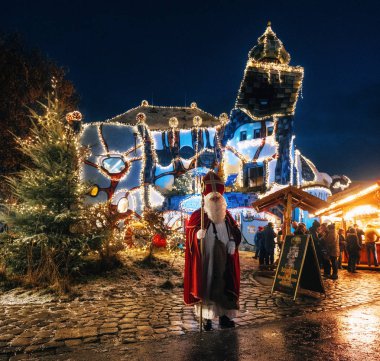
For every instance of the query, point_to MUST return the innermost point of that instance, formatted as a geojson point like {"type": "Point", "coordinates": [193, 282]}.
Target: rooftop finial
{"type": "Point", "coordinates": [269, 23]}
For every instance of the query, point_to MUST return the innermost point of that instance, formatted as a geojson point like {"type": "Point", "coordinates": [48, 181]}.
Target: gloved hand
{"type": "Point", "coordinates": [231, 246]}
{"type": "Point", "coordinates": [201, 234]}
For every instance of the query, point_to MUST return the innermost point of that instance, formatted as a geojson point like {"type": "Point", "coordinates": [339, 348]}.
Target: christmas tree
{"type": "Point", "coordinates": [45, 207]}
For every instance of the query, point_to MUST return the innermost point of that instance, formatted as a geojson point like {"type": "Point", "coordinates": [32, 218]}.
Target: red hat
{"type": "Point", "coordinates": [211, 182]}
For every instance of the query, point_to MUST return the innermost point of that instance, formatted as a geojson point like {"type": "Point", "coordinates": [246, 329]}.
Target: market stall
{"type": "Point", "coordinates": [359, 205]}
{"type": "Point", "coordinates": [289, 197]}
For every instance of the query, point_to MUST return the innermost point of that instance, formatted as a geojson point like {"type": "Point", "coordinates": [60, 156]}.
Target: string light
{"type": "Point", "coordinates": [349, 199]}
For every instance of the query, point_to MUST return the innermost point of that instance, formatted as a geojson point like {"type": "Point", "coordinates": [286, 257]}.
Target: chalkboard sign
{"type": "Point", "coordinates": [298, 266]}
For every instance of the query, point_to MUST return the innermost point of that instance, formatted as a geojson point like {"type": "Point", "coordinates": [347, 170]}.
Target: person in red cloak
{"type": "Point", "coordinates": [212, 275]}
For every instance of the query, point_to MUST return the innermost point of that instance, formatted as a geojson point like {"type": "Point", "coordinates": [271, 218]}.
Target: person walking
{"type": "Point", "coordinates": [360, 234]}
{"type": "Point", "coordinates": [342, 246]}
{"type": "Point", "coordinates": [212, 268]}
{"type": "Point", "coordinates": [257, 240]}
{"type": "Point", "coordinates": [301, 229]}
{"type": "Point", "coordinates": [262, 251]}
{"type": "Point", "coordinates": [371, 236]}
{"type": "Point", "coordinates": [322, 234]}
{"type": "Point", "coordinates": [269, 242]}
{"type": "Point", "coordinates": [332, 247]}
{"type": "Point", "coordinates": [353, 249]}
{"type": "Point", "coordinates": [313, 230]}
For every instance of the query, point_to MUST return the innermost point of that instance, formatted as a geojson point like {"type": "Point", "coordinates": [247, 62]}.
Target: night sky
{"type": "Point", "coordinates": [174, 52]}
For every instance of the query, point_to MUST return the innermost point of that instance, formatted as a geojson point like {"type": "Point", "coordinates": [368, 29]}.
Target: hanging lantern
{"type": "Point", "coordinates": [74, 116]}
{"type": "Point", "coordinates": [197, 121]}
{"type": "Point", "coordinates": [223, 118]}
{"type": "Point", "coordinates": [173, 122]}
{"type": "Point", "coordinates": [77, 115]}
{"type": "Point", "coordinates": [69, 117]}
{"type": "Point", "coordinates": [140, 117]}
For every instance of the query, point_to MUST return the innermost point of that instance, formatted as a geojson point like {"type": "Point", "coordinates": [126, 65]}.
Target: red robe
{"type": "Point", "coordinates": [193, 264]}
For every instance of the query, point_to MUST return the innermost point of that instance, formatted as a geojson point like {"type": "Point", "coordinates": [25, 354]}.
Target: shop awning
{"type": "Point", "coordinates": [368, 194]}
{"type": "Point", "coordinates": [299, 199]}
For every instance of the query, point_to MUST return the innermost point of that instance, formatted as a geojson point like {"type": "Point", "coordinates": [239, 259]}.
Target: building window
{"type": "Point", "coordinates": [243, 135]}
{"type": "Point", "coordinates": [254, 177]}
{"type": "Point", "coordinates": [269, 131]}
{"type": "Point", "coordinates": [256, 133]}
{"type": "Point", "coordinates": [263, 102]}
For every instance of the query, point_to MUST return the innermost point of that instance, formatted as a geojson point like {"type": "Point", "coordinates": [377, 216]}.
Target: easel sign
{"type": "Point", "coordinates": [298, 267]}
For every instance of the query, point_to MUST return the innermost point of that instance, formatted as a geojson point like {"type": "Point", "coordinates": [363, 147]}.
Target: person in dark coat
{"type": "Point", "coordinates": [342, 247]}
{"type": "Point", "coordinates": [322, 234]}
{"type": "Point", "coordinates": [301, 229]}
{"type": "Point", "coordinates": [353, 249]}
{"type": "Point", "coordinates": [261, 247]}
{"type": "Point", "coordinates": [332, 247]}
{"type": "Point", "coordinates": [269, 241]}
{"type": "Point", "coordinates": [360, 234]}
{"type": "Point", "coordinates": [313, 230]}
{"type": "Point", "coordinates": [371, 237]}
{"type": "Point", "coordinates": [257, 240]}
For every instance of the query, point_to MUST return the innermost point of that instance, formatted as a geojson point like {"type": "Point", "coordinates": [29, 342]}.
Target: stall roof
{"type": "Point", "coordinates": [300, 199]}
{"type": "Point", "coordinates": [351, 197]}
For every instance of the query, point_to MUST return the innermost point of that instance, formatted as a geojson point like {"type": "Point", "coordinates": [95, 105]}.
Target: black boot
{"type": "Point", "coordinates": [225, 322]}
{"type": "Point", "coordinates": [207, 324]}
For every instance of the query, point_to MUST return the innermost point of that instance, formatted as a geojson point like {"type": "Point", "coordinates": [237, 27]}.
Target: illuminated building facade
{"type": "Point", "coordinates": [135, 157]}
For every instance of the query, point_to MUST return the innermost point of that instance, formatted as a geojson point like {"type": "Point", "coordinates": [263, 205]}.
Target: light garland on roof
{"type": "Point", "coordinates": [350, 198]}
{"type": "Point", "coordinates": [275, 187]}
{"type": "Point", "coordinates": [270, 68]}
{"type": "Point", "coordinates": [364, 210]}
{"type": "Point", "coordinates": [125, 114]}
{"type": "Point", "coordinates": [277, 69]}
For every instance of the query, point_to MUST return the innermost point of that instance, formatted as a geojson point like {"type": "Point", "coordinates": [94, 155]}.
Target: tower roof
{"type": "Point", "coordinates": [269, 48]}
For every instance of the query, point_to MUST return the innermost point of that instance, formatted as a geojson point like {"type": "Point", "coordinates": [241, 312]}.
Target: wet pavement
{"type": "Point", "coordinates": [345, 335]}
{"type": "Point", "coordinates": [128, 314]}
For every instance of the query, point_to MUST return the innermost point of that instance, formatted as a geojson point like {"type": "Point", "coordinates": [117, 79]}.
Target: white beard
{"type": "Point", "coordinates": [216, 211]}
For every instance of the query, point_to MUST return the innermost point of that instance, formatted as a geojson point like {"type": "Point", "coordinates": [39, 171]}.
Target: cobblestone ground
{"type": "Point", "coordinates": [135, 312]}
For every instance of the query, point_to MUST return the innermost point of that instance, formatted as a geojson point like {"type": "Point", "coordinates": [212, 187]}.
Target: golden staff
{"type": "Point", "coordinates": [197, 122]}
{"type": "Point", "coordinates": [201, 249]}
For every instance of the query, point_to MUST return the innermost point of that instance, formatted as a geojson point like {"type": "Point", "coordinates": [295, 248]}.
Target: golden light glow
{"type": "Point", "coordinates": [141, 118]}
{"type": "Point", "coordinates": [197, 121]}
{"type": "Point", "coordinates": [348, 199]}
{"type": "Point", "coordinates": [223, 118]}
{"type": "Point", "coordinates": [361, 211]}
{"type": "Point", "coordinates": [94, 191]}
{"type": "Point", "coordinates": [173, 122]}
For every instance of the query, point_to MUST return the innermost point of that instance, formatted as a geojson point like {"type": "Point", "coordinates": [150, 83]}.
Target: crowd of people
{"type": "Point", "coordinates": [330, 245]}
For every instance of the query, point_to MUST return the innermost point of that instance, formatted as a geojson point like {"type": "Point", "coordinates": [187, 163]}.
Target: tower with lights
{"type": "Point", "coordinates": [265, 106]}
